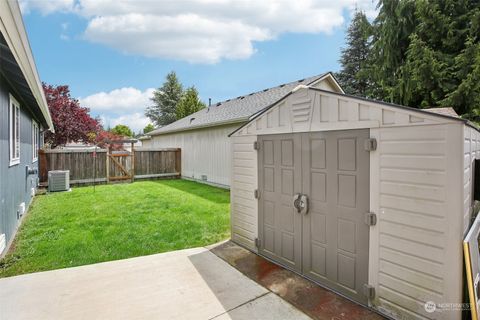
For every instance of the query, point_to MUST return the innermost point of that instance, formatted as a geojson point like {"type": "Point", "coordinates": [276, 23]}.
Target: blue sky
{"type": "Point", "coordinates": [112, 55]}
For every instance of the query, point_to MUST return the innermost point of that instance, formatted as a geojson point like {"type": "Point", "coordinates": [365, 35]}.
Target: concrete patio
{"type": "Point", "coordinates": [223, 281]}
{"type": "Point", "coordinates": [185, 284]}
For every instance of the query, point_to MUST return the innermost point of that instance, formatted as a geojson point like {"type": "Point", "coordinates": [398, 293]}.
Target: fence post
{"type": "Point", "coordinates": [178, 161]}
{"type": "Point", "coordinates": [133, 162]}
{"type": "Point", "coordinates": [108, 163]}
{"type": "Point", "coordinates": [42, 166]}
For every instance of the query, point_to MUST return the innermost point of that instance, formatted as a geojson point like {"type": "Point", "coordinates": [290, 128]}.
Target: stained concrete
{"type": "Point", "coordinates": [310, 298]}
{"type": "Point", "coordinates": [185, 284]}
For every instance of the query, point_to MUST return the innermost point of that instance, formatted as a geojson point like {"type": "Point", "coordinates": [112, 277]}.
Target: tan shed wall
{"type": "Point", "coordinates": [416, 253]}
{"type": "Point", "coordinates": [244, 223]}
{"type": "Point", "coordinates": [416, 188]}
{"type": "Point", "coordinates": [471, 152]}
{"type": "Point", "coordinates": [204, 152]}
{"type": "Point", "coordinates": [325, 85]}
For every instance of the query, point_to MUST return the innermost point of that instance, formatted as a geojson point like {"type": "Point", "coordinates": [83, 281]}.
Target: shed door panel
{"type": "Point", "coordinates": [329, 244]}
{"type": "Point", "coordinates": [336, 178]}
{"type": "Point", "coordinates": [279, 180]}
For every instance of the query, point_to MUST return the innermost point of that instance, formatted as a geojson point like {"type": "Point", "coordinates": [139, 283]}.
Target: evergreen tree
{"type": "Point", "coordinates": [440, 35]}
{"type": "Point", "coordinates": [165, 100]}
{"type": "Point", "coordinates": [354, 76]}
{"type": "Point", "coordinates": [392, 29]}
{"type": "Point", "coordinates": [189, 103]}
{"type": "Point", "coordinates": [465, 97]}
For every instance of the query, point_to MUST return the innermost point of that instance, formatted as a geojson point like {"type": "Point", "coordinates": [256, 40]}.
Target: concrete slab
{"type": "Point", "coordinates": [308, 297]}
{"type": "Point", "coordinates": [185, 284]}
{"type": "Point", "coordinates": [267, 307]}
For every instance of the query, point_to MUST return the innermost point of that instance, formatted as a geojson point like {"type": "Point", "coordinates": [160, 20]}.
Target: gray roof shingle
{"type": "Point", "coordinates": [237, 109]}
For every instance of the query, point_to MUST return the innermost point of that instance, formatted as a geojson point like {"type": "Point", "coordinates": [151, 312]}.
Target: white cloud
{"type": "Point", "coordinates": [200, 31]}
{"type": "Point", "coordinates": [135, 121]}
{"type": "Point", "coordinates": [47, 6]}
{"type": "Point", "coordinates": [120, 106]}
{"type": "Point", "coordinates": [119, 100]}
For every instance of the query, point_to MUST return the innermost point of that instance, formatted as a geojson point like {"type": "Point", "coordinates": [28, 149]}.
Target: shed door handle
{"type": "Point", "coordinates": [300, 202]}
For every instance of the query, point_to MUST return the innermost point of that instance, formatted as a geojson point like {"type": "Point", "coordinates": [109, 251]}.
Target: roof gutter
{"type": "Point", "coordinates": [13, 30]}
{"type": "Point", "coordinates": [206, 125]}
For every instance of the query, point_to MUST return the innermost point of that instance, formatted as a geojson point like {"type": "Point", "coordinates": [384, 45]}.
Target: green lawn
{"type": "Point", "coordinates": [116, 222]}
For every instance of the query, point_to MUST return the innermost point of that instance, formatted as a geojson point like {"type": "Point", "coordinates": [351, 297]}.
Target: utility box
{"type": "Point", "coordinates": [58, 180]}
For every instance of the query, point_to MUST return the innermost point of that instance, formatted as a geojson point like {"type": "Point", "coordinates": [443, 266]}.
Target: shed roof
{"type": "Point", "coordinates": [448, 111]}
{"type": "Point", "coordinates": [383, 111]}
{"type": "Point", "coordinates": [239, 109]}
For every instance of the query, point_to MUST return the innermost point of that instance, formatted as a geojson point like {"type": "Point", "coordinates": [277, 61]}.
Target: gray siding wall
{"type": "Point", "coordinates": [15, 185]}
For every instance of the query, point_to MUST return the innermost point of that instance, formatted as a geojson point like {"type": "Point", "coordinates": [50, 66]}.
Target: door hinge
{"type": "Point", "coordinates": [370, 144]}
{"type": "Point", "coordinates": [370, 219]}
{"type": "Point", "coordinates": [257, 243]}
{"type": "Point", "coordinates": [369, 291]}
{"type": "Point", "coordinates": [256, 145]}
{"type": "Point", "coordinates": [256, 194]}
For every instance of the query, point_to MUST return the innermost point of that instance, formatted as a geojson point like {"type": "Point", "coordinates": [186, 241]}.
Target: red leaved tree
{"type": "Point", "coordinates": [72, 122]}
{"type": "Point", "coordinates": [103, 138]}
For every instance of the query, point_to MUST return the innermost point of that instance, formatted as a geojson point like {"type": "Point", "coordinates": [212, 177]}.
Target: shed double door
{"type": "Point", "coordinates": [329, 242]}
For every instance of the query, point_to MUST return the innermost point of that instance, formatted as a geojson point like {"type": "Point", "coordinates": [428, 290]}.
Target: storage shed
{"type": "Point", "coordinates": [369, 199]}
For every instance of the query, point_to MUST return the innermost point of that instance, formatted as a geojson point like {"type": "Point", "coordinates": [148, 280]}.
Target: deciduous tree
{"type": "Point", "coordinates": [72, 122]}
{"type": "Point", "coordinates": [122, 130]}
{"type": "Point", "coordinates": [148, 128]}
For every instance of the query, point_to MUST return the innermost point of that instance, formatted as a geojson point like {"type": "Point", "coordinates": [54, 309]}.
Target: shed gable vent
{"type": "Point", "coordinates": [58, 180]}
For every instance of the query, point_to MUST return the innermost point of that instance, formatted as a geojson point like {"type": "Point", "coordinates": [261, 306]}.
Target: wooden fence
{"type": "Point", "coordinates": [87, 165]}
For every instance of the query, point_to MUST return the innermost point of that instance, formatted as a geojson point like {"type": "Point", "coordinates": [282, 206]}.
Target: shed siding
{"type": "Point", "coordinates": [244, 223]}
{"type": "Point", "coordinates": [416, 189]}
{"type": "Point", "coordinates": [325, 85]}
{"type": "Point", "coordinates": [471, 152]}
{"type": "Point", "coordinates": [419, 224]}
{"type": "Point", "coordinates": [15, 185]}
{"type": "Point", "coordinates": [204, 152]}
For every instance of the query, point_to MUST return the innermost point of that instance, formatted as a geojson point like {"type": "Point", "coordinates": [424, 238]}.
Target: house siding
{"type": "Point", "coordinates": [15, 185]}
{"type": "Point", "coordinates": [205, 152]}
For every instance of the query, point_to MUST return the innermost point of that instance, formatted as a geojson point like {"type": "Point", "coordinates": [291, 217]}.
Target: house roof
{"type": "Point", "coordinates": [17, 61]}
{"type": "Point", "coordinates": [239, 109]}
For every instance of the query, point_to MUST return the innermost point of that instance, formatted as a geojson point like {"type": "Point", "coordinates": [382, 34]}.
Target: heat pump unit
{"type": "Point", "coordinates": [58, 180]}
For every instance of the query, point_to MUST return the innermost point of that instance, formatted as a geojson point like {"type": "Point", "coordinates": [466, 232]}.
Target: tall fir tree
{"type": "Point", "coordinates": [355, 76]}
{"type": "Point", "coordinates": [165, 100]}
{"type": "Point", "coordinates": [465, 97]}
{"type": "Point", "coordinates": [189, 103]}
{"type": "Point", "coordinates": [392, 29]}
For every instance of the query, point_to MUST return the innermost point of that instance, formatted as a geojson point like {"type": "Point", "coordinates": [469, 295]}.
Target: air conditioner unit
{"type": "Point", "coordinates": [58, 180]}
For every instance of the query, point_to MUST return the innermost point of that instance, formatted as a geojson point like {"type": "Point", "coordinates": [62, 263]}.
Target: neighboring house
{"type": "Point", "coordinates": [24, 116]}
{"type": "Point", "coordinates": [203, 136]}
{"type": "Point", "coordinates": [146, 141]}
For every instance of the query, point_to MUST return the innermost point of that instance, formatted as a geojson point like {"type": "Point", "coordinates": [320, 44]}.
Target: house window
{"type": "Point", "coordinates": [14, 134]}
{"type": "Point", "coordinates": [35, 137]}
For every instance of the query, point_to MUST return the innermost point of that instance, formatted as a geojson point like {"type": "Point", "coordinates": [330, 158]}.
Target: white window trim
{"type": "Point", "coordinates": [12, 133]}
{"type": "Point", "coordinates": [35, 141]}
